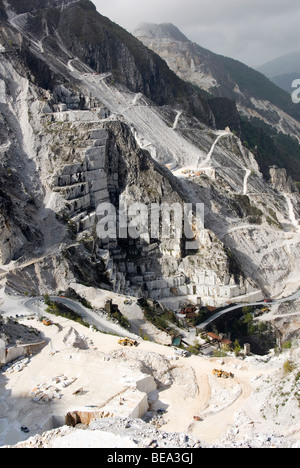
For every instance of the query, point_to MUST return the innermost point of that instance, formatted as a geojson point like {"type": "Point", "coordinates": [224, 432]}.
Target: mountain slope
{"type": "Point", "coordinates": [77, 140]}
{"type": "Point", "coordinates": [105, 46]}
{"type": "Point", "coordinates": [219, 75]}
{"type": "Point", "coordinates": [287, 63]}
{"type": "Point", "coordinates": [76, 136]}
{"type": "Point", "coordinates": [259, 101]}
{"type": "Point", "coordinates": [283, 70]}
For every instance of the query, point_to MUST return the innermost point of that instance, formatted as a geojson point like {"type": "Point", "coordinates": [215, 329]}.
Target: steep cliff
{"type": "Point", "coordinates": [81, 126]}
{"type": "Point", "coordinates": [72, 29]}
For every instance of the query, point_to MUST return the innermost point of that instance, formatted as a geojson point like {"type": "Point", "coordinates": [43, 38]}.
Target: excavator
{"type": "Point", "coordinates": [127, 342]}
{"type": "Point", "coordinates": [222, 374]}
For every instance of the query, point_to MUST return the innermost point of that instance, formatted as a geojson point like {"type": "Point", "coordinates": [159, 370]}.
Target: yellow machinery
{"type": "Point", "coordinates": [47, 322]}
{"type": "Point", "coordinates": [222, 374]}
{"type": "Point", "coordinates": [127, 342]}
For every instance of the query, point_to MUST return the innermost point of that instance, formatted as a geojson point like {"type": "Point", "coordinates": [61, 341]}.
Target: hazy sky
{"type": "Point", "coordinates": [252, 31]}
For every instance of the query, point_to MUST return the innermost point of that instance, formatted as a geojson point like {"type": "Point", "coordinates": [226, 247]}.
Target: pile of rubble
{"type": "Point", "coordinates": [145, 435]}
{"type": "Point", "coordinates": [244, 434]}
{"type": "Point", "coordinates": [17, 365]}
{"type": "Point", "coordinates": [135, 431]}
{"type": "Point", "coordinates": [73, 339]}
{"type": "Point", "coordinates": [51, 390]}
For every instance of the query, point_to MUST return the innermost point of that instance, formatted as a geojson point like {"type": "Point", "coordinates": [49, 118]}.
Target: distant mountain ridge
{"type": "Point", "coordinates": [283, 70]}
{"type": "Point", "coordinates": [221, 76]}
{"type": "Point", "coordinates": [288, 63]}
{"type": "Point", "coordinates": [273, 116]}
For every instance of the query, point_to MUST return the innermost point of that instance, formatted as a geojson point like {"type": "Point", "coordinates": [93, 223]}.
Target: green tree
{"type": "Point", "coordinates": [236, 347]}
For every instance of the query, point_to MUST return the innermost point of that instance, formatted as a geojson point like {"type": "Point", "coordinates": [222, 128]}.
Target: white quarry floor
{"type": "Point", "coordinates": [105, 371]}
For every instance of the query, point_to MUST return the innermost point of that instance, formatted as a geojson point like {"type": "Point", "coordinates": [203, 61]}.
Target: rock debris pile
{"type": "Point", "coordinates": [51, 390]}
{"type": "Point", "coordinates": [135, 433]}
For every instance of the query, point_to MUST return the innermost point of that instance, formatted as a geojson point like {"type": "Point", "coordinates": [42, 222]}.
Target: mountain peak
{"type": "Point", "coordinates": [160, 31]}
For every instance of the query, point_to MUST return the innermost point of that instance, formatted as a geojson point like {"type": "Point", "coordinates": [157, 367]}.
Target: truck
{"type": "Point", "coordinates": [47, 322]}
{"type": "Point", "coordinates": [182, 352]}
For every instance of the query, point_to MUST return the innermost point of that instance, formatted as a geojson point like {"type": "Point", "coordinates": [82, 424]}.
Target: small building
{"type": "Point", "coordinates": [213, 337]}
{"type": "Point", "coordinates": [216, 339]}
{"type": "Point", "coordinates": [110, 307]}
